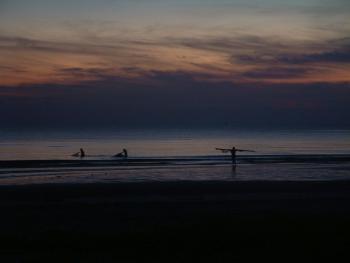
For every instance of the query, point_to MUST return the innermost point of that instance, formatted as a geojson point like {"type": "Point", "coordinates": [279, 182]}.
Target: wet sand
{"type": "Point", "coordinates": [175, 221]}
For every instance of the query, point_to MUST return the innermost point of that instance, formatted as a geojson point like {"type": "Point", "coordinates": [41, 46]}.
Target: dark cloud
{"type": "Point", "coordinates": [335, 51]}
{"type": "Point", "coordinates": [11, 69]}
{"type": "Point", "coordinates": [95, 73]}
{"type": "Point", "coordinates": [22, 43]}
{"type": "Point", "coordinates": [231, 45]}
{"type": "Point", "coordinates": [277, 73]}
{"type": "Point", "coordinates": [175, 100]}
{"type": "Point", "coordinates": [336, 56]}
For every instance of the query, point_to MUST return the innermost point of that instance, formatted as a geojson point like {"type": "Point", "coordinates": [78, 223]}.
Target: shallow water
{"type": "Point", "coordinates": [173, 155]}
{"type": "Point", "coordinates": [220, 172]}
{"type": "Point", "coordinates": [25, 145]}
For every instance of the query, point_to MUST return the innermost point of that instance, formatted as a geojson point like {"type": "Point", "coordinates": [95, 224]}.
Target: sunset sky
{"type": "Point", "coordinates": [174, 62]}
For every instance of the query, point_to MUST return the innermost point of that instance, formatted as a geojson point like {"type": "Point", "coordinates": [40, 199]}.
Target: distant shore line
{"type": "Point", "coordinates": [172, 160]}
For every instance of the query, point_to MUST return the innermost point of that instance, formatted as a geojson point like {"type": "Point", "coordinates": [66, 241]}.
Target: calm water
{"type": "Point", "coordinates": [176, 143]}
{"type": "Point", "coordinates": [60, 145]}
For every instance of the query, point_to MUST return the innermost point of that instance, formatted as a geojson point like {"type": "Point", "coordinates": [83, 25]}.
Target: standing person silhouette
{"type": "Point", "coordinates": [233, 152]}
{"type": "Point", "coordinates": [125, 153]}
{"type": "Point", "coordinates": [80, 154]}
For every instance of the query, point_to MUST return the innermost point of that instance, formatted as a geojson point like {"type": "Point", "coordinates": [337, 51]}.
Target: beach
{"type": "Point", "coordinates": [175, 198]}
{"type": "Point", "coordinates": [175, 221]}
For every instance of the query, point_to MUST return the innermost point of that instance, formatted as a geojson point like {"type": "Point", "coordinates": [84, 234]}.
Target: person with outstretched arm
{"type": "Point", "coordinates": [123, 154]}
{"type": "Point", "coordinates": [80, 154]}
{"type": "Point", "coordinates": [233, 152]}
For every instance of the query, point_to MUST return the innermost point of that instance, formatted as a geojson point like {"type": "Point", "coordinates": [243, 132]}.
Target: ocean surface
{"type": "Point", "coordinates": [172, 155]}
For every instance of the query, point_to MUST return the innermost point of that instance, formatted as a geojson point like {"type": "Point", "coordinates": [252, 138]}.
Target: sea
{"type": "Point", "coordinates": [45, 156]}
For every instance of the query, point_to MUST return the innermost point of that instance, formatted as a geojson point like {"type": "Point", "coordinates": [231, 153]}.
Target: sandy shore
{"type": "Point", "coordinates": [175, 222]}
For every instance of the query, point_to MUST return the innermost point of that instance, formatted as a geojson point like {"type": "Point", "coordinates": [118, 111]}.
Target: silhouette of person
{"type": "Point", "coordinates": [124, 154]}
{"type": "Point", "coordinates": [233, 152]}
{"type": "Point", "coordinates": [80, 154]}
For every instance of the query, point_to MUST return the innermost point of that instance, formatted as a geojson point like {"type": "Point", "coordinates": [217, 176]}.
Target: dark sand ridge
{"type": "Point", "coordinates": [175, 222]}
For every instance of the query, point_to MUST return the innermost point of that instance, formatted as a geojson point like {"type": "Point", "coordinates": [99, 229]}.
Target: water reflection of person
{"type": "Point", "coordinates": [233, 171]}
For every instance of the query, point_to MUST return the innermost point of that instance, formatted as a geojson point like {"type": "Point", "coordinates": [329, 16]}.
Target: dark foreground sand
{"type": "Point", "coordinates": [175, 222]}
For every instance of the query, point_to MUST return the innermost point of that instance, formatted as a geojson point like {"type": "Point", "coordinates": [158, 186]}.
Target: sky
{"type": "Point", "coordinates": [113, 63]}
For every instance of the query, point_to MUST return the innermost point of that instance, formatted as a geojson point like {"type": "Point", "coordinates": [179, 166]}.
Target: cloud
{"type": "Point", "coordinates": [332, 51]}
{"type": "Point", "coordinates": [230, 45]}
{"type": "Point", "coordinates": [22, 43]}
{"type": "Point", "coordinates": [335, 56]}
{"type": "Point", "coordinates": [277, 73]}
{"type": "Point", "coordinates": [76, 72]}
{"type": "Point", "coordinates": [237, 58]}
{"type": "Point", "coordinates": [11, 69]}
{"type": "Point", "coordinates": [177, 99]}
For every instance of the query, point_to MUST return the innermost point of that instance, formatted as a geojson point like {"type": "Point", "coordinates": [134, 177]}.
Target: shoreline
{"type": "Point", "coordinates": [171, 160]}
{"type": "Point", "coordinates": [265, 168]}
{"type": "Point", "coordinates": [190, 183]}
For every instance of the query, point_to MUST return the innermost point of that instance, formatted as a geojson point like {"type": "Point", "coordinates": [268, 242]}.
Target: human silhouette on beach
{"type": "Point", "coordinates": [233, 152]}
{"type": "Point", "coordinates": [124, 154]}
{"type": "Point", "coordinates": [80, 154]}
